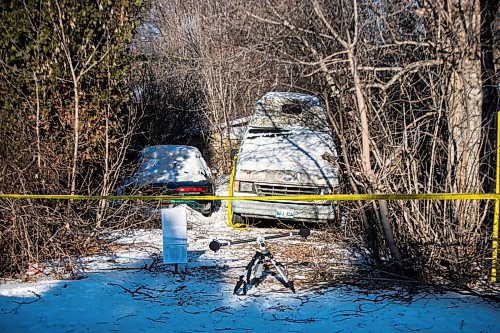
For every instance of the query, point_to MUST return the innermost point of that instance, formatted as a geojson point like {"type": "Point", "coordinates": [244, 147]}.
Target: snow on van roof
{"type": "Point", "coordinates": [280, 98]}
{"type": "Point", "coordinates": [287, 110]}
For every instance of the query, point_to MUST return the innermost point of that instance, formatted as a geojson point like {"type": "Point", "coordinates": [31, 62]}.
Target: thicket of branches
{"type": "Point", "coordinates": [410, 92]}
{"type": "Point", "coordinates": [65, 122]}
{"type": "Point", "coordinates": [409, 87]}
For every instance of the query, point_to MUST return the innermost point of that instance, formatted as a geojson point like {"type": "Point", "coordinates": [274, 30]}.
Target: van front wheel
{"type": "Point", "coordinates": [239, 220]}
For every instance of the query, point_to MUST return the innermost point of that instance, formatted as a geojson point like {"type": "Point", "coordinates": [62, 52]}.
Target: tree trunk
{"type": "Point", "coordinates": [371, 232]}
{"type": "Point", "coordinates": [489, 53]}
{"type": "Point", "coordinates": [366, 159]}
{"type": "Point", "coordinates": [465, 98]}
{"type": "Point", "coordinates": [76, 137]}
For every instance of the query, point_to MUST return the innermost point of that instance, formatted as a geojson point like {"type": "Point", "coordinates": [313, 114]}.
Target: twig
{"type": "Point", "coordinates": [134, 292]}
{"type": "Point", "coordinates": [33, 301]}
{"type": "Point", "coordinates": [158, 320]}
{"type": "Point", "coordinates": [38, 297]}
{"type": "Point", "coordinates": [298, 321]}
{"type": "Point", "coordinates": [222, 309]}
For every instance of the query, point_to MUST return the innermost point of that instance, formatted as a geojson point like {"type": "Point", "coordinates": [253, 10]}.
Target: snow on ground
{"type": "Point", "coordinates": [131, 291]}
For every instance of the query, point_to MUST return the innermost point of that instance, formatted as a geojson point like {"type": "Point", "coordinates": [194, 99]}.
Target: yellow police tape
{"type": "Point", "coordinates": [308, 197]}
{"type": "Point", "coordinates": [323, 197]}
{"type": "Point", "coordinates": [230, 221]}
{"type": "Point", "coordinates": [494, 243]}
{"type": "Point", "coordinates": [333, 197]}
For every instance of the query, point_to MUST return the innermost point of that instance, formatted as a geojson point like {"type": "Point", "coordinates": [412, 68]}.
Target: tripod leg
{"type": "Point", "coordinates": [284, 279]}
{"type": "Point", "coordinates": [245, 277]}
{"type": "Point", "coordinates": [258, 268]}
{"type": "Point", "coordinates": [249, 269]}
{"type": "Point", "coordinates": [241, 282]}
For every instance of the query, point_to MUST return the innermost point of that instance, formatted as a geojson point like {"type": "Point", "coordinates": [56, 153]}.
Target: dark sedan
{"type": "Point", "coordinates": [172, 170]}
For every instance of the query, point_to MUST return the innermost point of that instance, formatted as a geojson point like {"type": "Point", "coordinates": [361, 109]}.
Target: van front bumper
{"type": "Point", "coordinates": [285, 210]}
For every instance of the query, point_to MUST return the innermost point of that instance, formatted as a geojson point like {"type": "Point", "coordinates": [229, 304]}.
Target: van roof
{"type": "Point", "coordinates": [277, 97]}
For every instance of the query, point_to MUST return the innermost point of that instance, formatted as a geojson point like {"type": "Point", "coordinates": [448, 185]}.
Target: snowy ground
{"type": "Point", "coordinates": [131, 291]}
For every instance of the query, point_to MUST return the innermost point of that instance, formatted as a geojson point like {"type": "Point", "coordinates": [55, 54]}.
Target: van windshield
{"type": "Point", "coordinates": [289, 116]}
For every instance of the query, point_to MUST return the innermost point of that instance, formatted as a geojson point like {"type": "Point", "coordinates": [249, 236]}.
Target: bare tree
{"type": "Point", "coordinates": [417, 125]}
{"type": "Point", "coordinates": [78, 67]}
{"type": "Point", "coordinates": [61, 62]}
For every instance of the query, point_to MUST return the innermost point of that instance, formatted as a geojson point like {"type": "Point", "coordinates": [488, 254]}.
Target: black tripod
{"type": "Point", "coordinates": [257, 268]}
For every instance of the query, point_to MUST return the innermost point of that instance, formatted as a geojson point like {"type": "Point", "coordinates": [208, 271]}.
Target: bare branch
{"type": "Point", "coordinates": [407, 69]}
{"type": "Point", "coordinates": [319, 12]}
{"type": "Point", "coordinates": [290, 26]}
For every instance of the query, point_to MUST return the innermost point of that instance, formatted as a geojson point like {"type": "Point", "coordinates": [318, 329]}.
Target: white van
{"type": "Point", "coordinates": [288, 149]}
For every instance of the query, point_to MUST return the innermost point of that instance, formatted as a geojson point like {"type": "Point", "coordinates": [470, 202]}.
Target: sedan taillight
{"type": "Point", "coordinates": [185, 189]}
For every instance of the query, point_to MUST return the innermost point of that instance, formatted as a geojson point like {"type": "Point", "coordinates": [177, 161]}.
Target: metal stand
{"type": "Point", "coordinates": [254, 271]}
{"type": "Point", "coordinates": [258, 268]}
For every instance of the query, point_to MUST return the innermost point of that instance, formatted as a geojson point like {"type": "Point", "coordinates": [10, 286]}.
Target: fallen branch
{"type": "Point", "coordinates": [38, 297]}
{"type": "Point", "coordinates": [132, 292]}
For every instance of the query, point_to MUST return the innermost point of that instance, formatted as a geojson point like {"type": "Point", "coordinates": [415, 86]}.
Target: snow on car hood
{"type": "Point", "coordinates": [168, 164]}
{"type": "Point", "coordinates": [289, 157]}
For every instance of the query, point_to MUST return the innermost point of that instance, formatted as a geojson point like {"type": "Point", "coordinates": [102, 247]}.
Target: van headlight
{"type": "Point", "coordinates": [325, 190]}
{"type": "Point", "coordinates": [244, 186]}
